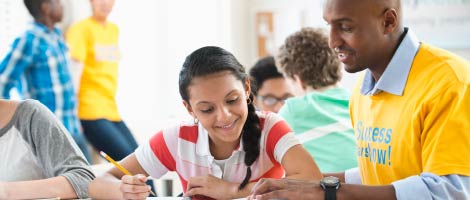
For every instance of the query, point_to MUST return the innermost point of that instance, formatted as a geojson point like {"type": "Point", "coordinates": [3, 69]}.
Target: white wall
{"type": "Point", "coordinates": [154, 43]}
{"type": "Point", "coordinates": [14, 19]}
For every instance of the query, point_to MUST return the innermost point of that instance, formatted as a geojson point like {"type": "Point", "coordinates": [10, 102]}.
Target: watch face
{"type": "Point", "coordinates": [330, 181]}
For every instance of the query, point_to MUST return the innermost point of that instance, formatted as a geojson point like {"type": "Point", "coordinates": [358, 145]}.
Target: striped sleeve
{"type": "Point", "coordinates": [280, 137]}
{"type": "Point", "coordinates": [155, 157]}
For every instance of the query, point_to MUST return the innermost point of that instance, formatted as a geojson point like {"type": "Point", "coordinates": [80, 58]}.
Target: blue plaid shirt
{"type": "Point", "coordinates": [38, 65]}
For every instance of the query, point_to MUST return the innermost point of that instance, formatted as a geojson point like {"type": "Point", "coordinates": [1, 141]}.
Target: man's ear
{"type": "Point", "coordinates": [390, 20]}
{"type": "Point", "coordinates": [188, 108]}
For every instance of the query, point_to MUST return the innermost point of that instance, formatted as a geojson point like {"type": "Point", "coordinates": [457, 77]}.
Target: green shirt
{"type": "Point", "coordinates": [321, 122]}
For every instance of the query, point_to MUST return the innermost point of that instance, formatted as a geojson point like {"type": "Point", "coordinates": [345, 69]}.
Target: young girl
{"type": "Point", "coordinates": [38, 158]}
{"type": "Point", "coordinates": [225, 150]}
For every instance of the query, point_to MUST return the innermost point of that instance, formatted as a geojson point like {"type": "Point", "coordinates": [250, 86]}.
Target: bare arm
{"type": "Point", "coordinates": [300, 165]}
{"type": "Point", "coordinates": [351, 191]}
{"type": "Point", "coordinates": [44, 188]}
{"type": "Point", "coordinates": [216, 188]}
{"type": "Point", "coordinates": [115, 185]}
{"type": "Point", "coordinates": [298, 189]}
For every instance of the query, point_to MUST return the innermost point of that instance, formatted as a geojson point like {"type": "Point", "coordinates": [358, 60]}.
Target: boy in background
{"type": "Point", "coordinates": [319, 117]}
{"type": "Point", "coordinates": [38, 63]}
{"type": "Point", "coordinates": [269, 87]}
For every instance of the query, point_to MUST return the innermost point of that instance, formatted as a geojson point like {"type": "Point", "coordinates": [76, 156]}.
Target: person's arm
{"type": "Point", "coordinates": [56, 151]}
{"type": "Point", "coordinates": [14, 64]}
{"type": "Point", "coordinates": [116, 185]}
{"type": "Point", "coordinates": [63, 165]}
{"type": "Point", "coordinates": [298, 164]}
{"type": "Point", "coordinates": [425, 186]}
{"type": "Point", "coordinates": [45, 188]}
{"type": "Point", "coordinates": [300, 189]}
{"type": "Point", "coordinates": [216, 188]}
{"type": "Point", "coordinates": [148, 159]}
{"type": "Point", "coordinates": [431, 186]}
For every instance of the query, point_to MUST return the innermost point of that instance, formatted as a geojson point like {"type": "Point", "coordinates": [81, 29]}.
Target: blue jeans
{"type": "Point", "coordinates": [113, 138]}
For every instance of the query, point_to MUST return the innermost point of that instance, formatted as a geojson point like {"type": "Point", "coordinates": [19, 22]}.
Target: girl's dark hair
{"type": "Point", "coordinates": [210, 60]}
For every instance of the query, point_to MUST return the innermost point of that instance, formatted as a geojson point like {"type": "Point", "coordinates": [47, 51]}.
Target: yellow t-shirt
{"type": "Point", "coordinates": [425, 130]}
{"type": "Point", "coordinates": [96, 46]}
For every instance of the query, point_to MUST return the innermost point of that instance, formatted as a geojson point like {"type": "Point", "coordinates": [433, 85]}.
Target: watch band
{"type": "Point", "coordinates": [330, 193]}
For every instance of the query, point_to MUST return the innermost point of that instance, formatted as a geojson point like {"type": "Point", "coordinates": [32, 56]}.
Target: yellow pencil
{"type": "Point", "coordinates": [120, 167]}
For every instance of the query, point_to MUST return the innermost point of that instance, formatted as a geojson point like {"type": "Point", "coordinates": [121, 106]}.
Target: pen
{"type": "Point", "coordinates": [120, 167]}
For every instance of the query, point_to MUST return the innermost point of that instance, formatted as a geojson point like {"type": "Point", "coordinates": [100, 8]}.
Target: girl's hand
{"type": "Point", "coordinates": [134, 187]}
{"type": "Point", "coordinates": [286, 189]}
{"type": "Point", "coordinates": [211, 186]}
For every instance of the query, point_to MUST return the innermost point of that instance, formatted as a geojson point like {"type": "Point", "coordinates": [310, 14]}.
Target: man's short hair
{"type": "Point", "coordinates": [306, 54]}
{"type": "Point", "coordinates": [263, 70]}
{"type": "Point", "coordinates": [34, 7]}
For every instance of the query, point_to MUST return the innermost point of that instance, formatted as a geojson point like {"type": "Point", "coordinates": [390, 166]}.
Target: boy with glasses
{"type": "Point", "coordinates": [270, 88]}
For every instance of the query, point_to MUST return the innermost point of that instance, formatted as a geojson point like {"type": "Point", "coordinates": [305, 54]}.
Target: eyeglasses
{"type": "Point", "coordinates": [270, 100]}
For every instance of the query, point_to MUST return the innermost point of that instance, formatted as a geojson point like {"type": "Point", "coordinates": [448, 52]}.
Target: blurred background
{"type": "Point", "coordinates": [156, 35]}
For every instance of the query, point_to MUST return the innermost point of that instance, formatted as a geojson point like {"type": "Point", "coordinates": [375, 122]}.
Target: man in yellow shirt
{"type": "Point", "coordinates": [94, 44]}
{"type": "Point", "coordinates": [410, 112]}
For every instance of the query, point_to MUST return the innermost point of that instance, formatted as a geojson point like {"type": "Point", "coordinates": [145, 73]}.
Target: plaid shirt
{"type": "Point", "coordinates": [38, 65]}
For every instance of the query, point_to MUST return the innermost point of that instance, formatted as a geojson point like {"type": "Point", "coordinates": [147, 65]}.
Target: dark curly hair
{"type": "Point", "coordinates": [263, 70]}
{"type": "Point", "coordinates": [210, 60]}
{"type": "Point", "coordinates": [306, 54]}
{"type": "Point", "coordinates": [34, 7]}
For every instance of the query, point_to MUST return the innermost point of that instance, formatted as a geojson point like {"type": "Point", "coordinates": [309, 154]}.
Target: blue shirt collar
{"type": "Point", "coordinates": [394, 78]}
{"type": "Point", "coordinates": [43, 28]}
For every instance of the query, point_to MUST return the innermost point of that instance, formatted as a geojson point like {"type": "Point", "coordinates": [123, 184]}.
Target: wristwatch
{"type": "Point", "coordinates": [330, 185]}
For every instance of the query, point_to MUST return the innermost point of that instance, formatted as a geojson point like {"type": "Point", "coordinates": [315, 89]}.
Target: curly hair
{"type": "Point", "coordinates": [34, 7]}
{"type": "Point", "coordinates": [306, 54]}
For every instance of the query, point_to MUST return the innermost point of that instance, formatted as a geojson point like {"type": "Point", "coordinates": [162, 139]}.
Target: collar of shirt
{"type": "Point", "coordinates": [41, 28]}
{"type": "Point", "coordinates": [202, 144]}
{"type": "Point", "coordinates": [394, 78]}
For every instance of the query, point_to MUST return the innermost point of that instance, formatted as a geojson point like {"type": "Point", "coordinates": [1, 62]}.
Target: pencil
{"type": "Point", "coordinates": [120, 167]}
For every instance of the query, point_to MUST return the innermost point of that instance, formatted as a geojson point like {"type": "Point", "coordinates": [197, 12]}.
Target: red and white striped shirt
{"type": "Point", "coordinates": [185, 149]}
